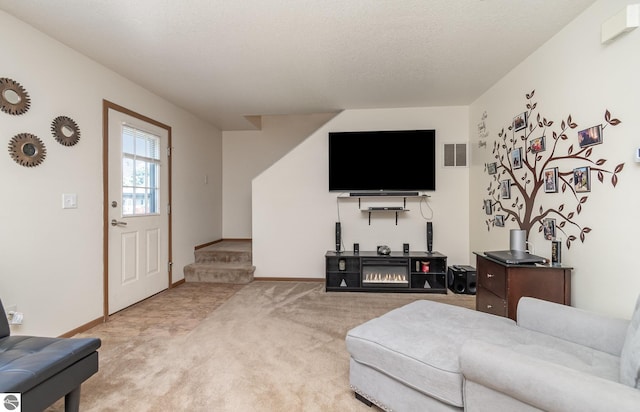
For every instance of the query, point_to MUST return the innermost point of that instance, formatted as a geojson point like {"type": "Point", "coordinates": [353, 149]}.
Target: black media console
{"type": "Point", "coordinates": [414, 272]}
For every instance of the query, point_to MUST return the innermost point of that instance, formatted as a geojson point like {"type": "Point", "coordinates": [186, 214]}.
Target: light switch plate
{"type": "Point", "coordinates": [69, 201]}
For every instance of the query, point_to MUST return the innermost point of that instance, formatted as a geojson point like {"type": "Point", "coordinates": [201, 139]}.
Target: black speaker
{"type": "Point", "coordinates": [338, 237]}
{"type": "Point", "coordinates": [462, 279]}
{"type": "Point", "coordinates": [430, 237]}
{"type": "Point", "coordinates": [356, 248]}
{"type": "Point", "coordinates": [405, 248]}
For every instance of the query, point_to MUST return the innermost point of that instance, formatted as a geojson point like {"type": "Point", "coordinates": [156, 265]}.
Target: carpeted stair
{"type": "Point", "coordinates": [223, 262]}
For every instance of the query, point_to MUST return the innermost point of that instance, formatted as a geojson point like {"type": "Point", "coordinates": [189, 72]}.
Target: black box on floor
{"type": "Point", "coordinates": [462, 279]}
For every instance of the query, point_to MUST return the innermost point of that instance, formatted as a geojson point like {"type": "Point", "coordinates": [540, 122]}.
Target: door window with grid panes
{"type": "Point", "coordinates": [140, 172]}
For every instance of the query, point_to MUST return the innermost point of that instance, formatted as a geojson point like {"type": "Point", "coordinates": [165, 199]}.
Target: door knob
{"type": "Point", "coordinates": [117, 223]}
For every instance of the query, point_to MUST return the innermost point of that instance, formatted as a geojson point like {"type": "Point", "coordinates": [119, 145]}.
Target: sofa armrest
{"type": "Point", "coordinates": [600, 332]}
{"type": "Point", "coordinates": [542, 384]}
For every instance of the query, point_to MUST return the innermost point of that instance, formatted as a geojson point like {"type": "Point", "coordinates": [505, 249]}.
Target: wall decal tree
{"type": "Point", "coordinates": [523, 154]}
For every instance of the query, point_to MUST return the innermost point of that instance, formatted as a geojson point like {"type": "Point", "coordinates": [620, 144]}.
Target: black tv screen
{"type": "Point", "coordinates": [384, 161]}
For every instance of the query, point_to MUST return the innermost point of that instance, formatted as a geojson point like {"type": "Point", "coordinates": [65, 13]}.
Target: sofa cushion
{"type": "Point", "coordinates": [26, 361]}
{"type": "Point", "coordinates": [418, 345]}
{"type": "Point", "coordinates": [562, 352]}
{"type": "Point", "coordinates": [630, 356]}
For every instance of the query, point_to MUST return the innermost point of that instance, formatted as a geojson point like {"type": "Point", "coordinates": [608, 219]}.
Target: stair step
{"type": "Point", "coordinates": [223, 262]}
{"type": "Point", "coordinates": [235, 272]}
{"type": "Point", "coordinates": [224, 256]}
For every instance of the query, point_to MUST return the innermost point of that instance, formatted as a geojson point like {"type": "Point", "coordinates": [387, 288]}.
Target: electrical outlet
{"type": "Point", "coordinates": [13, 316]}
{"type": "Point", "coordinates": [17, 318]}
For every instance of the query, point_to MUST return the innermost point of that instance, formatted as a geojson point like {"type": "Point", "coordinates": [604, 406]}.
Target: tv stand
{"type": "Point", "coordinates": [414, 272]}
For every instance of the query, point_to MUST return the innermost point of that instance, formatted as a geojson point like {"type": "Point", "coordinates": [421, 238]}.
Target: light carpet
{"type": "Point", "coordinates": [272, 346]}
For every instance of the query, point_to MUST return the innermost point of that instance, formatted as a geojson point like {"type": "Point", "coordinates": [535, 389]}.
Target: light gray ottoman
{"type": "Point", "coordinates": [408, 359]}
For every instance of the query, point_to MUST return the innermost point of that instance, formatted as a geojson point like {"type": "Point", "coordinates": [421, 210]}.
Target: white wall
{"type": "Point", "coordinates": [248, 153]}
{"type": "Point", "coordinates": [52, 262]}
{"type": "Point", "coordinates": [294, 214]}
{"type": "Point", "coordinates": [573, 74]}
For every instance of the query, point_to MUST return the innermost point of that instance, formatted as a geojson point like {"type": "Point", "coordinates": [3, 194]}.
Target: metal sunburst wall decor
{"type": "Point", "coordinates": [27, 150]}
{"type": "Point", "coordinates": [14, 99]}
{"type": "Point", "coordinates": [65, 130]}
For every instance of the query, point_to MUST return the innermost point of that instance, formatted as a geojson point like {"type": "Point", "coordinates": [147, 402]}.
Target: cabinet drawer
{"type": "Point", "coordinates": [489, 303]}
{"type": "Point", "coordinates": [493, 277]}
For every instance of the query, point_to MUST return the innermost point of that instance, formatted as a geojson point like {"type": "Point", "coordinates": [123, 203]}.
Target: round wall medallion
{"type": "Point", "coordinates": [65, 130]}
{"type": "Point", "coordinates": [27, 150]}
{"type": "Point", "coordinates": [14, 99]}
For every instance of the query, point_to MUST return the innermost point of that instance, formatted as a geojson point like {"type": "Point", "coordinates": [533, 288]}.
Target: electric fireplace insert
{"type": "Point", "coordinates": [385, 273]}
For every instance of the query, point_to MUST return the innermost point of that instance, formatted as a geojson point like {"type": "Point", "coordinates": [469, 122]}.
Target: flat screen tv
{"type": "Point", "coordinates": [382, 161]}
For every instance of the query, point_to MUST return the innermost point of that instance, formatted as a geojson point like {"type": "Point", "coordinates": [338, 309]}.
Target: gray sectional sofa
{"type": "Point", "coordinates": [429, 356]}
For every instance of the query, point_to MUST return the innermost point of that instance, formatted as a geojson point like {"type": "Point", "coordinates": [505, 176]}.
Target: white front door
{"type": "Point", "coordinates": [138, 262]}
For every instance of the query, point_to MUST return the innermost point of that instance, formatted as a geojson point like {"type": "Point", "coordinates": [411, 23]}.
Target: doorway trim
{"type": "Point", "coordinates": [106, 106]}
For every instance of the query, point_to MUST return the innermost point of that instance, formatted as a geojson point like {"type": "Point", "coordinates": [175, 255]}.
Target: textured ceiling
{"type": "Point", "coordinates": [226, 59]}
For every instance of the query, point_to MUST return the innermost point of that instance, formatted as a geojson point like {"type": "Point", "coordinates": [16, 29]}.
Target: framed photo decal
{"type": "Point", "coordinates": [500, 220]}
{"type": "Point", "coordinates": [520, 122]}
{"type": "Point", "coordinates": [516, 158]}
{"type": "Point", "coordinates": [488, 209]}
{"type": "Point", "coordinates": [551, 180]}
{"type": "Point", "coordinates": [505, 189]}
{"type": "Point", "coordinates": [549, 228]}
{"type": "Point", "coordinates": [582, 179]}
{"type": "Point", "coordinates": [590, 136]}
{"type": "Point", "coordinates": [537, 145]}
{"type": "Point", "coordinates": [492, 168]}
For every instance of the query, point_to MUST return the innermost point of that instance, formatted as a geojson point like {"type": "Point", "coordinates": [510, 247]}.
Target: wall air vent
{"type": "Point", "coordinates": [455, 155]}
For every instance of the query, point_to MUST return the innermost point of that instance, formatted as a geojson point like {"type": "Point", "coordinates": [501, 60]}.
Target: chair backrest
{"type": "Point", "coordinates": [4, 323]}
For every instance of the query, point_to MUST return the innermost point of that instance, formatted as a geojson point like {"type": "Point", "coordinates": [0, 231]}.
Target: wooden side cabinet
{"type": "Point", "coordinates": [500, 285]}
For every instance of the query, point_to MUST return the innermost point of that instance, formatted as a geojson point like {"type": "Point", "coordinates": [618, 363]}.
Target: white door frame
{"type": "Point", "coordinates": [106, 106]}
